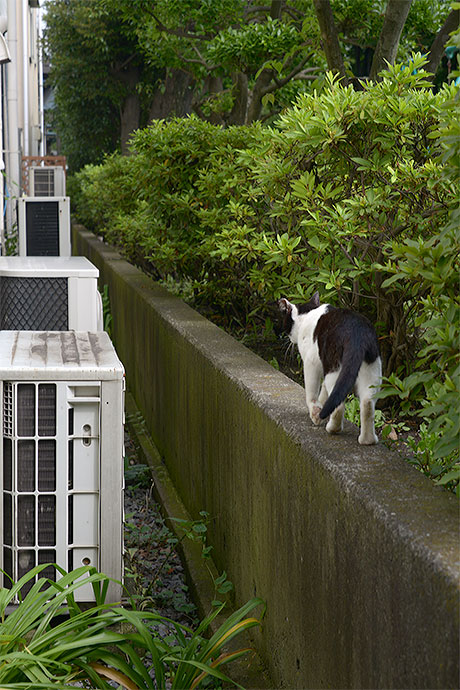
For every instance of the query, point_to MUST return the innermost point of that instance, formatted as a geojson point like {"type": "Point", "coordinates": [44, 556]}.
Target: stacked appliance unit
{"type": "Point", "coordinates": [49, 294]}
{"type": "Point", "coordinates": [44, 226]}
{"type": "Point", "coordinates": [61, 450]}
{"type": "Point", "coordinates": [47, 180]}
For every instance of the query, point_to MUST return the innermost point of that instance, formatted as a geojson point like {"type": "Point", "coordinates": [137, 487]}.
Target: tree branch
{"type": "Point", "coordinates": [179, 32]}
{"type": "Point", "coordinates": [281, 82]}
{"type": "Point", "coordinates": [437, 47]}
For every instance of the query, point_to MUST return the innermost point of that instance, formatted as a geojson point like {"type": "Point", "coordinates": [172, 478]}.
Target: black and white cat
{"type": "Point", "coordinates": [340, 353]}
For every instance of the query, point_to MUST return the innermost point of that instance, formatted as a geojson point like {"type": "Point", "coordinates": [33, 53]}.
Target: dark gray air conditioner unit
{"type": "Point", "coordinates": [44, 226]}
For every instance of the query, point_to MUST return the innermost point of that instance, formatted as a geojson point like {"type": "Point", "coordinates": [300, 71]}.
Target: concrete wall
{"type": "Point", "coordinates": [354, 551]}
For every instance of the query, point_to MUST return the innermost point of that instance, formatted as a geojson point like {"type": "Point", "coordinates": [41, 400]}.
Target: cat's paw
{"type": "Point", "coordinates": [314, 415]}
{"type": "Point", "coordinates": [334, 427]}
{"type": "Point", "coordinates": [367, 439]}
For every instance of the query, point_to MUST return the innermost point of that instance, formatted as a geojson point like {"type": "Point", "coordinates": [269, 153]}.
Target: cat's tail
{"type": "Point", "coordinates": [351, 363]}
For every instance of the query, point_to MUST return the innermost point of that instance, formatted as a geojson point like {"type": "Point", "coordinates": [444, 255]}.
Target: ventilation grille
{"type": "Point", "coordinates": [8, 409]}
{"type": "Point", "coordinates": [43, 181]}
{"type": "Point", "coordinates": [29, 480]}
{"type": "Point", "coordinates": [33, 304]}
{"type": "Point", "coordinates": [51, 475]}
{"type": "Point", "coordinates": [42, 228]}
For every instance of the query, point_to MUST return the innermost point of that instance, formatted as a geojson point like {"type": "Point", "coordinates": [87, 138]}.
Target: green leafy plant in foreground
{"type": "Point", "coordinates": [49, 641]}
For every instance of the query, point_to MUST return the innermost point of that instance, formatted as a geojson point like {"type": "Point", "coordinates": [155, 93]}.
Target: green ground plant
{"type": "Point", "coordinates": [352, 192]}
{"type": "Point", "coordinates": [50, 641]}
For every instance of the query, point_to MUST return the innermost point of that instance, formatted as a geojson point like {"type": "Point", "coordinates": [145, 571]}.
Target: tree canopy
{"type": "Point", "coordinates": [118, 64]}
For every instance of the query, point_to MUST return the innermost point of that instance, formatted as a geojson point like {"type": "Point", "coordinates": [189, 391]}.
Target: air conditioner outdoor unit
{"type": "Point", "coordinates": [50, 293]}
{"type": "Point", "coordinates": [44, 226]}
{"type": "Point", "coordinates": [61, 451]}
{"type": "Point", "coordinates": [47, 181]}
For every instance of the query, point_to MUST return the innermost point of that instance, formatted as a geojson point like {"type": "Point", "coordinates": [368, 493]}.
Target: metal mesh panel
{"type": "Point", "coordinates": [46, 520]}
{"type": "Point", "coordinates": [26, 409]}
{"type": "Point", "coordinates": [7, 519]}
{"type": "Point", "coordinates": [47, 465]}
{"type": "Point", "coordinates": [26, 561]}
{"type": "Point", "coordinates": [7, 409]}
{"type": "Point", "coordinates": [46, 409]}
{"type": "Point", "coordinates": [33, 304]}
{"type": "Point", "coordinates": [30, 480]}
{"type": "Point", "coordinates": [43, 181]}
{"type": "Point", "coordinates": [47, 556]}
{"type": "Point", "coordinates": [42, 228]}
{"type": "Point", "coordinates": [70, 520]}
{"type": "Point", "coordinates": [7, 567]}
{"type": "Point", "coordinates": [7, 464]}
{"type": "Point", "coordinates": [26, 520]}
{"type": "Point", "coordinates": [26, 465]}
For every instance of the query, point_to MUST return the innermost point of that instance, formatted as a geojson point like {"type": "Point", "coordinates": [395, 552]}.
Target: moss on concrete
{"type": "Point", "coordinates": [354, 551]}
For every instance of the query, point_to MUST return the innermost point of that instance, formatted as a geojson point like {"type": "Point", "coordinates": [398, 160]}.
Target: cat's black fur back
{"type": "Point", "coordinates": [340, 347]}
{"type": "Point", "coordinates": [345, 339]}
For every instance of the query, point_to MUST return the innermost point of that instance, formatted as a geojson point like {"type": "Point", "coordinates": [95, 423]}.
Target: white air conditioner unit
{"type": "Point", "coordinates": [44, 226]}
{"type": "Point", "coordinates": [61, 451]}
{"type": "Point", "coordinates": [47, 181]}
{"type": "Point", "coordinates": [49, 294]}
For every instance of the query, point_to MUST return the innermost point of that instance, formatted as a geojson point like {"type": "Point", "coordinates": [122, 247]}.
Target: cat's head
{"type": "Point", "coordinates": [291, 312]}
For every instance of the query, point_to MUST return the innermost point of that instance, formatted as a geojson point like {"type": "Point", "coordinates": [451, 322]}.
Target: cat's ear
{"type": "Point", "coordinates": [315, 300]}
{"type": "Point", "coordinates": [285, 306]}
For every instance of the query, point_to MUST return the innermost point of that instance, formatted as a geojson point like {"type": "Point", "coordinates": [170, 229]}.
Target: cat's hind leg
{"type": "Point", "coordinates": [316, 408]}
{"type": "Point", "coordinates": [367, 437]}
{"type": "Point", "coordinates": [312, 378]}
{"type": "Point", "coordinates": [335, 423]}
{"type": "Point", "coordinates": [367, 384]}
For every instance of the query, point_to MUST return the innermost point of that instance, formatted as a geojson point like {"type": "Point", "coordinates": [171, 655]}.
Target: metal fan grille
{"type": "Point", "coordinates": [29, 488]}
{"type": "Point", "coordinates": [43, 181]}
{"type": "Point", "coordinates": [42, 228]}
{"type": "Point", "coordinates": [34, 304]}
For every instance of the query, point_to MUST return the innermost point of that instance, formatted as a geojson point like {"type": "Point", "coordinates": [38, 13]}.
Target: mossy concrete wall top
{"type": "Point", "coordinates": [354, 551]}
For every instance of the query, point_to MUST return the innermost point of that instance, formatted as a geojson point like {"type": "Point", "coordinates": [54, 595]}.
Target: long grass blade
{"type": "Point", "coordinates": [230, 634]}
{"type": "Point", "coordinates": [112, 674]}
{"type": "Point", "coordinates": [222, 659]}
{"type": "Point", "coordinates": [203, 667]}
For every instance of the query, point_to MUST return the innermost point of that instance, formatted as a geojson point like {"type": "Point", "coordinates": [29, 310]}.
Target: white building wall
{"type": "Point", "coordinates": [21, 112]}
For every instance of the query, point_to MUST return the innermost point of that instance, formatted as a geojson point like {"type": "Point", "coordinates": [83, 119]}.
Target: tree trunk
{"type": "Point", "coordinates": [387, 45]}
{"type": "Point", "coordinates": [255, 97]}
{"type": "Point", "coordinates": [240, 103]}
{"type": "Point", "coordinates": [254, 105]}
{"type": "Point", "coordinates": [130, 108]}
{"type": "Point", "coordinates": [176, 97]}
{"type": "Point", "coordinates": [330, 38]}
{"type": "Point", "coordinates": [213, 87]}
{"type": "Point", "coordinates": [130, 113]}
{"type": "Point", "coordinates": [437, 47]}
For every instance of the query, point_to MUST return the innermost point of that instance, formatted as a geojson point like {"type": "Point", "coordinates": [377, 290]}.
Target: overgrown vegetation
{"type": "Point", "coordinates": [50, 641]}
{"type": "Point", "coordinates": [155, 540]}
{"type": "Point", "coordinates": [352, 192]}
{"type": "Point", "coordinates": [117, 64]}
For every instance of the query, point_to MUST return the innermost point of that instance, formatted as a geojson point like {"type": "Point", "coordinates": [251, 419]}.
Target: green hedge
{"type": "Point", "coordinates": [352, 193]}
